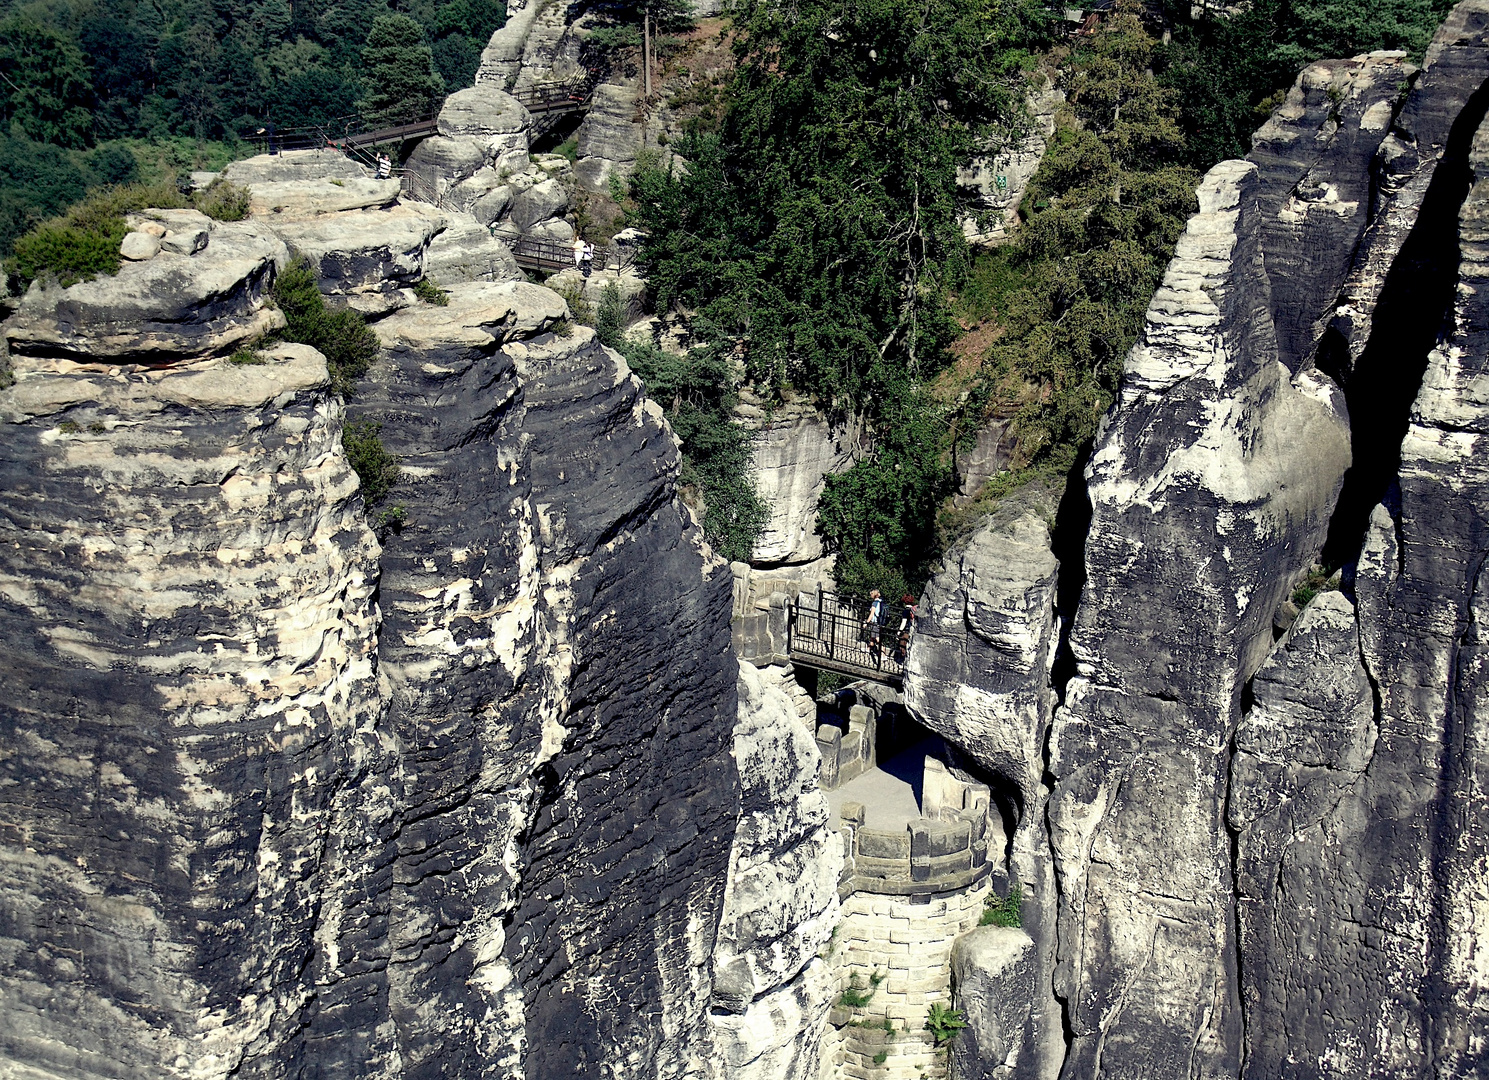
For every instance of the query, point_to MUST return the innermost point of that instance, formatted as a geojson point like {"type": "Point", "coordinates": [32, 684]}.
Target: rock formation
{"type": "Point", "coordinates": [1267, 851]}
{"type": "Point", "coordinates": [457, 801]}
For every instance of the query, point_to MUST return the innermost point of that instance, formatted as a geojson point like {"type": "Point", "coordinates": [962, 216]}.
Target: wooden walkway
{"type": "Point", "coordinates": [547, 102]}
{"type": "Point", "coordinates": [828, 634]}
{"type": "Point", "coordinates": [550, 256]}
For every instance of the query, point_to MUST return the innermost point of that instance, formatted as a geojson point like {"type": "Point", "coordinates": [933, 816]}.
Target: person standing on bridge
{"type": "Point", "coordinates": [578, 252]}
{"type": "Point", "coordinates": [587, 263]}
{"type": "Point", "coordinates": [908, 615]}
{"type": "Point", "coordinates": [384, 166]}
{"type": "Point", "coordinates": [873, 626]}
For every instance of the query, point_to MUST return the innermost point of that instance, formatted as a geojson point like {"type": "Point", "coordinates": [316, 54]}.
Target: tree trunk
{"type": "Point", "coordinates": [646, 48]}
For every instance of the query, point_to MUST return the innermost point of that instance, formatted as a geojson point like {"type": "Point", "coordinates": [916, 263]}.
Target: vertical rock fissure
{"type": "Point", "coordinates": [1452, 761]}
{"type": "Point", "coordinates": [1068, 542]}
{"type": "Point", "coordinates": [1414, 304]}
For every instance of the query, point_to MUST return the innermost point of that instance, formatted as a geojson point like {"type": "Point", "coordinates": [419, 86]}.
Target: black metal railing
{"type": "Point", "coordinates": [346, 133]}
{"type": "Point", "coordinates": [828, 633]}
{"type": "Point", "coordinates": [539, 253]}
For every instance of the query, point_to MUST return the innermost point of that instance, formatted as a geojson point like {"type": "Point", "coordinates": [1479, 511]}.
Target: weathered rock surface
{"type": "Point", "coordinates": [997, 182]}
{"type": "Point", "coordinates": [1360, 804]}
{"type": "Point", "coordinates": [995, 974]}
{"type": "Point", "coordinates": [448, 158]}
{"type": "Point", "coordinates": [978, 673]}
{"type": "Point", "coordinates": [163, 309]}
{"type": "Point", "coordinates": [771, 990]}
{"type": "Point", "coordinates": [308, 198]}
{"type": "Point", "coordinates": [793, 451]}
{"type": "Point", "coordinates": [190, 614]}
{"type": "Point", "coordinates": [464, 250]}
{"type": "Point", "coordinates": [538, 203]}
{"type": "Point", "coordinates": [293, 165]}
{"type": "Point", "coordinates": [609, 138]}
{"type": "Point", "coordinates": [483, 110]}
{"type": "Point", "coordinates": [364, 250]}
{"type": "Point", "coordinates": [425, 809]}
{"type": "Point", "coordinates": [1211, 484]}
{"type": "Point", "coordinates": [1301, 752]}
{"type": "Point", "coordinates": [1317, 185]}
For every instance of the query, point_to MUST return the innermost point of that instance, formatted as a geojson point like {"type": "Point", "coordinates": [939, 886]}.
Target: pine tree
{"type": "Point", "coordinates": [402, 83]}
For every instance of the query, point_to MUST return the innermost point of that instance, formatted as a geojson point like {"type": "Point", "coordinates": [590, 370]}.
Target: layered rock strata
{"type": "Point", "coordinates": [979, 674]}
{"type": "Point", "coordinates": [458, 803]}
{"type": "Point", "coordinates": [1359, 808]}
{"type": "Point", "coordinates": [772, 986]}
{"type": "Point", "coordinates": [1268, 854]}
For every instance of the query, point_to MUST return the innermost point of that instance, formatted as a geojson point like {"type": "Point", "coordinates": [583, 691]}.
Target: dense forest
{"type": "Point", "coordinates": [108, 91]}
{"type": "Point", "coordinates": [814, 230]}
{"type": "Point", "coordinates": [808, 226]}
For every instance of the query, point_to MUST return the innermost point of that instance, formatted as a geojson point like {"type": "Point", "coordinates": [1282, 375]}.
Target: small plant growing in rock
{"type": "Point", "coordinates": [1004, 910]}
{"type": "Point", "coordinates": [580, 309]}
{"type": "Point", "coordinates": [222, 200]}
{"type": "Point", "coordinates": [97, 428]}
{"type": "Point", "coordinates": [69, 427]}
{"type": "Point", "coordinates": [881, 1057]}
{"type": "Point", "coordinates": [378, 469]}
{"type": "Point", "coordinates": [429, 292]}
{"type": "Point", "coordinates": [856, 995]}
{"type": "Point", "coordinates": [1317, 581]}
{"type": "Point", "coordinates": [391, 520]}
{"type": "Point", "coordinates": [247, 356]}
{"type": "Point", "coordinates": [944, 1023]}
{"type": "Point", "coordinates": [341, 336]}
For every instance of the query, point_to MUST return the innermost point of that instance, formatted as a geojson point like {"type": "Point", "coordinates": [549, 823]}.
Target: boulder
{"type": "Point", "coordinates": [465, 251]}
{"type": "Point", "coordinates": [165, 309]}
{"type": "Point", "coordinates": [139, 246]}
{"type": "Point", "coordinates": [555, 229]}
{"type": "Point", "coordinates": [483, 110]}
{"type": "Point", "coordinates": [478, 314]}
{"type": "Point", "coordinates": [448, 157]}
{"type": "Point", "coordinates": [994, 969]}
{"type": "Point", "coordinates": [492, 205]}
{"type": "Point", "coordinates": [293, 165]}
{"type": "Point", "coordinates": [359, 250]}
{"type": "Point", "coordinates": [187, 240]}
{"type": "Point", "coordinates": [539, 202]}
{"type": "Point", "coordinates": [307, 198]}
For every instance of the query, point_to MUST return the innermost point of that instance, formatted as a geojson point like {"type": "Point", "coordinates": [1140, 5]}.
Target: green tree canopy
{"type": "Point", "coordinates": [398, 71]}
{"type": "Point", "coordinates": [820, 225]}
{"type": "Point", "coordinates": [817, 231]}
{"type": "Point", "coordinates": [1102, 215]}
{"type": "Point", "coordinates": [46, 85]}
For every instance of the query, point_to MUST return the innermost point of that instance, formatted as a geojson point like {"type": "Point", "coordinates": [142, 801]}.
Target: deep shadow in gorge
{"type": "Point", "coordinates": [1414, 306]}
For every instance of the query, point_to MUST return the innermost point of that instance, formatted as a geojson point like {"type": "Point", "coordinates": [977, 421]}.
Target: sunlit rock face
{"type": "Point", "coordinates": [281, 796]}
{"type": "Point", "coordinates": [1267, 829]}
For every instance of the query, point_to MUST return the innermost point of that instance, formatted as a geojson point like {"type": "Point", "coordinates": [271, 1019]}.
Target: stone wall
{"type": "Point", "coordinates": [908, 941]}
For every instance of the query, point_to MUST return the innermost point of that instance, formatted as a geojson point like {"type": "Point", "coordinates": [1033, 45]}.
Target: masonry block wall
{"type": "Point", "coordinates": [908, 941]}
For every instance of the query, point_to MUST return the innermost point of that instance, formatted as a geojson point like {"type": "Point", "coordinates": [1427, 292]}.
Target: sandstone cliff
{"type": "Point", "coordinates": [280, 799]}
{"type": "Point", "coordinates": [1266, 839]}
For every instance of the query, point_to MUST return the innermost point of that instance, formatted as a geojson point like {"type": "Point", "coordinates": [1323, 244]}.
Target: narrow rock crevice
{"type": "Point", "coordinates": [1410, 317]}
{"type": "Point", "coordinates": [1068, 542]}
